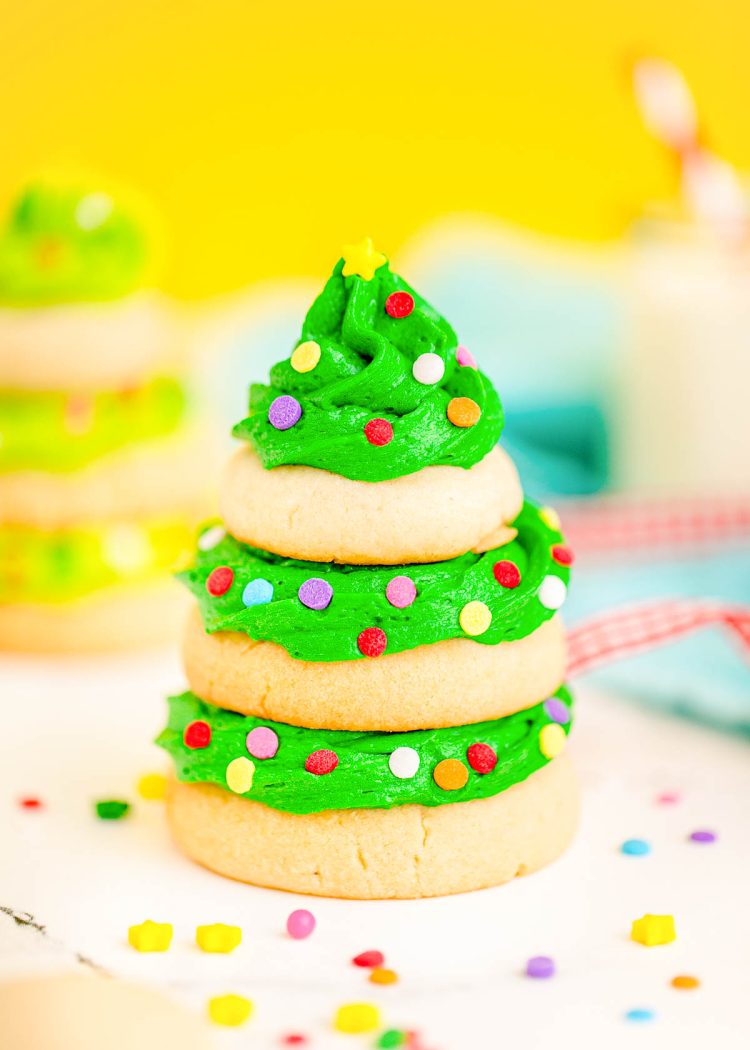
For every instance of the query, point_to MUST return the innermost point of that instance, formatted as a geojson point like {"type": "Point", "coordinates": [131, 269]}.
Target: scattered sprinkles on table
{"type": "Point", "coordinates": [229, 1010]}
{"type": "Point", "coordinates": [369, 959]}
{"type": "Point", "coordinates": [381, 975]}
{"type": "Point", "coordinates": [30, 802]}
{"type": "Point", "coordinates": [668, 798]}
{"type": "Point", "coordinates": [300, 924]}
{"type": "Point", "coordinates": [640, 1014]}
{"type": "Point", "coordinates": [152, 786]}
{"type": "Point", "coordinates": [540, 967]}
{"type": "Point", "coordinates": [703, 837]}
{"type": "Point", "coordinates": [150, 936]}
{"type": "Point", "coordinates": [218, 938]}
{"type": "Point", "coordinates": [355, 1018]}
{"type": "Point", "coordinates": [651, 930]}
{"type": "Point", "coordinates": [685, 983]}
{"type": "Point", "coordinates": [635, 848]}
{"type": "Point", "coordinates": [112, 809]}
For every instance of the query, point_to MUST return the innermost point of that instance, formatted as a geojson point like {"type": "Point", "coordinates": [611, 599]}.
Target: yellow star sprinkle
{"type": "Point", "coordinates": [229, 1010]}
{"type": "Point", "coordinates": [354, 1018]}
{"type": "Point", "coordinates": [218, 937]}
{"type": "Point", "coordinates": [362, 259]}
{"type": "Point", "coordinates": [150, 936]}
{"type": "Point", "coordinates": [653, 929]}
{"type": "Point", "coordinates": [152, 786]}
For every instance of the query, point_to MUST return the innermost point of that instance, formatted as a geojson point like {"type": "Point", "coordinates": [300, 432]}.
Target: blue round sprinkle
{"type": "Point", "coordinates": [635, 848]}
{"type": "Point", "coordinates": [640, 1014]}
{"type": "Point", "coordinates": [257, 592]}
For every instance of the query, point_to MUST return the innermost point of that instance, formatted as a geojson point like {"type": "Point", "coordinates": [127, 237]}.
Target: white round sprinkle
{"type": "Point", "coordinates": [211, 538]}
{"type": "Point", "coordinates": [552, 592]}
{"type": "Point", "coordinates": [404, 762]}
{"type": "Point", "coordinates": [428, 368]}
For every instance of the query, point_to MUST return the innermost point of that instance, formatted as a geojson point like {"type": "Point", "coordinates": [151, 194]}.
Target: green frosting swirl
{"type": "Point", "coordinates": [365, 373]}
{"type": "Point", "coordinates": [55, 431]}
{"type": "Point", "coordinates": [61, 244]}
{"type": "Point", "coordinates": [58, 566]}
{"type": "Point", "coordinates": [362, 778]}
{"type": "Point", "coordinates": [359, 599]}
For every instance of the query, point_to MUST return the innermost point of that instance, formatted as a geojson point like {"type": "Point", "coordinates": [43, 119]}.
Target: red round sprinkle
{"type": "Point", "coordinates": [399, 304]}
{"type": "Point", "coordinates": [506, 573]}
{"type": "Point", "coordinates": [197, 735]}
{"type": "Point", "coordinates": [379, 432]}
{"type": "Point", "coordinates": [219, 580]}
{"type": "Point", "coordinates": [482, 758]}
{"type": "Point", "coordinates": [369, 959]}
{"type": "Point", "coordinates": [294, 1039]}
{"type": "Point", "coordinates": [372, 642]}
{"type": "Point", "coordinates": [30, 802]}
{"type": "Point", "coordinates": [563, 555]}
{"type": "Point", "coordinates": [321, 762]}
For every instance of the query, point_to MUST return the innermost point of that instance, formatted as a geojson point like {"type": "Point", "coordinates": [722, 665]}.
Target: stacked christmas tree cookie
{"type": "Point", "coordinates": [375, 662]}
{"type": "Point", "coordinates": [99, 492]}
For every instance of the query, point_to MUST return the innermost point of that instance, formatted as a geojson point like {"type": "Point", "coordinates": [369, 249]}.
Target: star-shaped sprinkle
{"type": "Point", "coordinates": [362, 259]}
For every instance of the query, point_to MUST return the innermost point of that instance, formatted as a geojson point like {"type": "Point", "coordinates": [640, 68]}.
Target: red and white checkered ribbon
{"type": "Point", "coordinates": [635, 629]}
{"type": "Point", "coordinates": [616, 522]}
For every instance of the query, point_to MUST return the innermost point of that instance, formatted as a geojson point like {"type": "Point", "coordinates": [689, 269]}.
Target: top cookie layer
{"type": "Point", "coordinates": [377, 386]}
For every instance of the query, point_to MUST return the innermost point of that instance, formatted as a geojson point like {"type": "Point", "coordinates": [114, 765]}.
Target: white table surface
{"type": "Point", "coordinates": [79, 730]}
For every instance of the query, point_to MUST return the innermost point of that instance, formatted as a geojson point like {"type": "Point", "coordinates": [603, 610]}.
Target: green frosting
{"type": "Point", "coordinates": [58, 566]}
{"type": "Point", "coordinates": [362, 778]}
{"type": "Point", "coordinates": [365, 373]}
{"type": "Point", "coordinates": [61, 244]}
{"type": "Point", "coordinates": [54, 431]}
{"type": "Point", "coordinates": [359, 598]}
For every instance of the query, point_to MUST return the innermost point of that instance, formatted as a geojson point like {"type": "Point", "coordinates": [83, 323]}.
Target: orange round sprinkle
{"type": "Point", "coordinates": [684, 981]}
{"type": "Point", "coordinates": [450, 774]}
{"type": "Point", "coordinates": [382, 976]}
{"type": "Point", "coordinates": [463, 412]}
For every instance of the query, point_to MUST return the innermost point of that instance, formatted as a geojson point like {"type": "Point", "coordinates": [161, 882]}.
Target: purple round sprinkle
{"type": "Point", "coordinates": [315, 593]}
{"type": "Point", "coordinates": [557, 710]}
{"type": "Point", "coordinates": [703, 836]}
{"type": "Point", "coordinates": [540, 966]}
{"type": "Point", "coordinates": [284, 412]}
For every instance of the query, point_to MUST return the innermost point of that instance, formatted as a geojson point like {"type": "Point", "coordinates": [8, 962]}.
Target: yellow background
{"type": "Point", "coordinates": [269, 133]}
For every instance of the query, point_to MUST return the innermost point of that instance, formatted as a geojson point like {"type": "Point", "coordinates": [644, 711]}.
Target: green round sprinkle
{"type": "Point", "coordinates": [391, 1037]}
{"type": "Point", "coordinates": [112, 809]}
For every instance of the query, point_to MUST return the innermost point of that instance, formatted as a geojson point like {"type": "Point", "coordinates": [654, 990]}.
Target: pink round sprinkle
{"type": "Point", "coordinates": [300, 924]}
{"type": "Point", "coordinates": [401, 591]}
{"type": "Point", "coordinates": [262, 742]}
{"type": "Point", "coordinates": [668, 798]}
{"type": "Point", "coordinates": [703, 836]}
{"type": "Point", "coordinates": [284, 412]}
{"type": "Point", "coordinates": [465, 357]}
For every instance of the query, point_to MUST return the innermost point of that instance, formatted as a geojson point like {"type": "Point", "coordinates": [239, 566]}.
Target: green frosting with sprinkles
{"type": "Point", "coordinates": [62, 244]}
{"type": "Point", "coordinates": [326, 612]}
{"type": "Point", "coordinates": [302, 770]}
{"type": "Point", "coordinates": [55, 431]}
{"type": "Point", "coordinates": [377, 387]}
{"type": "Point", "coordinates": [62, 565]}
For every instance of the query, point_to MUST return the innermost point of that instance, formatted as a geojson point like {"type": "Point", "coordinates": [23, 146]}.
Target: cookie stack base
{"type": "Point", "coordinates": [371, 854]}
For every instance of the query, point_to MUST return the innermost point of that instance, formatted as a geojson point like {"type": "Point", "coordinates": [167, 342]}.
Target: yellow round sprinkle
{"type": "Point", "coordinates": [229, 1010]}
{"type": "Point", "coordinates": [218, 937]}
{"type": "Point", "coordinates": [357, 1017]}
{"type": "Point", "coordinates": [306, 356]}
{"type": "Point", "coordinates": [382, 976]}
{"type": "Point", "coordinates": [152, 786]}
{"type": "Point", "coordinates": [551, 740]}
{"type": "Point", "coordinates": [150, 936]}
{"type": "Point", "coordinates": [475, 618]}
{"type": "Point", "coordinates": [463, 412]}
{"type": "Point", "coordinates": [550, 517]}
{"type": "Point", "coordinates": [450, 774]}
{"type": "Point", "coordinates": [240, 775]}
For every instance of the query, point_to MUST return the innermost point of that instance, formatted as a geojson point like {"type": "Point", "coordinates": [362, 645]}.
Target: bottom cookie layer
{"type": "Point", "coordinates": [111, 619]}
{"type": "Point", "coordinates": [405, 852]}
